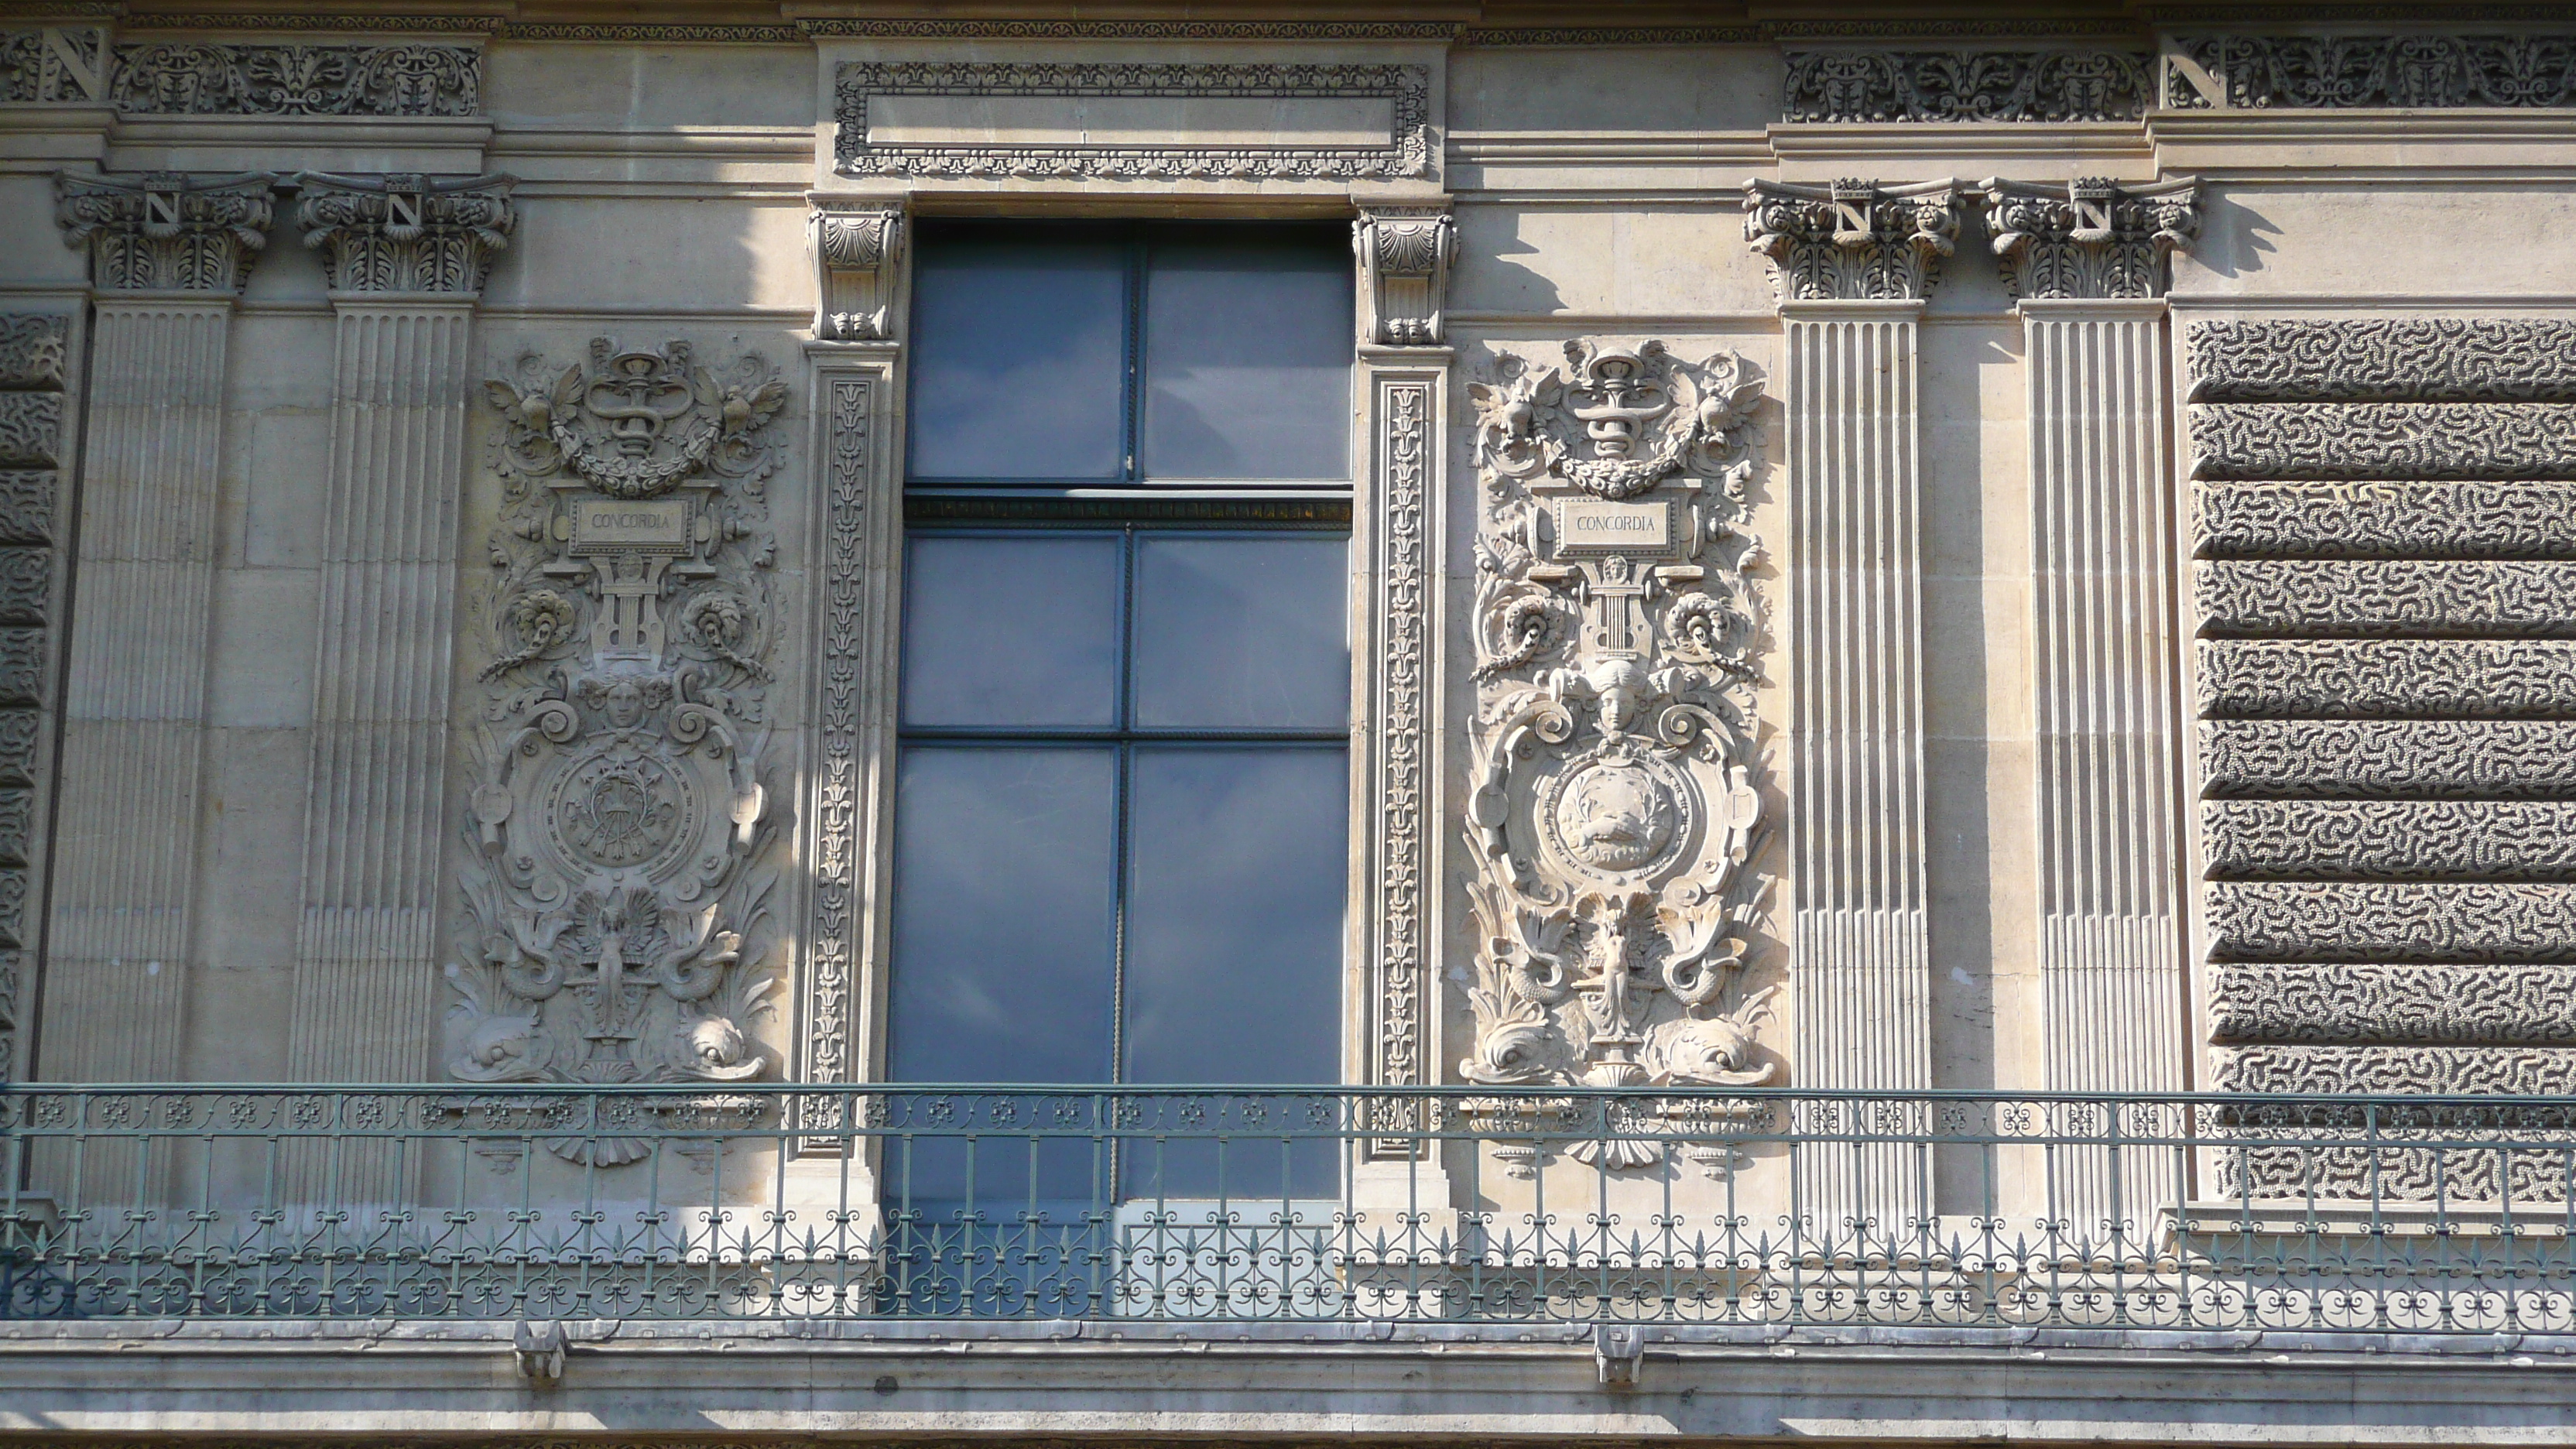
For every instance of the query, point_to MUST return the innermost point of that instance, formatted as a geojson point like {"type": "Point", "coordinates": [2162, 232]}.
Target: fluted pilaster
{"type": "Point", "coordinates": [2105, 710]}
{"type": "Point", "coordinates": [135, 705]}
{"type": "Point", "coordinates": [365, 981]}
{"type": "Point", "coordinates": [168, 255]}
{"type": "Point", "coordinates": [407, 256]}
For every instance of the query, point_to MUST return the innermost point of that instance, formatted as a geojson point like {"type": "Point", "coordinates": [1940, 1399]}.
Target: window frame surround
{"type": "Point", "coordinates": [1396, 916]}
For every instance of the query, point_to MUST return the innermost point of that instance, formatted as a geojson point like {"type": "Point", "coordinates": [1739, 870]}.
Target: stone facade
{"type": "Point", "coordinates": [1971, 555]}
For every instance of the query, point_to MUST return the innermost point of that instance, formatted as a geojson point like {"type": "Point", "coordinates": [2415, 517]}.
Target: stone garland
{"type": "Point", "coordinates": [1877, 85]}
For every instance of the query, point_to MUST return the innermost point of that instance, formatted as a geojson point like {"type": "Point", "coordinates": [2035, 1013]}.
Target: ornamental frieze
{"type": "Point", "coordinates": [1881, 85]}
{"type": "Point", "coordinates": [194, 78]}
{"type": "Point", "coordinates": [1615, 808]}
{"type": "Point", "coordinates": [616, 893]}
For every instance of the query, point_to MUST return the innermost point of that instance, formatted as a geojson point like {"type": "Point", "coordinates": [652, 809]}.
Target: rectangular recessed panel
{"type": "Point", "coordinates": [1261, 122]}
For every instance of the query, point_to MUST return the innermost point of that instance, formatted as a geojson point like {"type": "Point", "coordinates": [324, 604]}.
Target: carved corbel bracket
{"type": "Point", "coordinates": [1404, 256]}
{"type": "Point", "coordinates": [406, 233]}
{"type": "Point", "coordinates": [1852, 240]}
{"type": "Point", "coordinates": [2089, 238]}
{"type": "Point", "coordinates": [856, 261]}
{"type": "Point", "coordinates": [166, 230]}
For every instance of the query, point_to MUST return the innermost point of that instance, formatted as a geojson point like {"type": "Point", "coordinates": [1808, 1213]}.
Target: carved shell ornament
{"type": "Point", "coordinates": [1615, 809]}
{"type": "Point", "coordinates": [616, 885]}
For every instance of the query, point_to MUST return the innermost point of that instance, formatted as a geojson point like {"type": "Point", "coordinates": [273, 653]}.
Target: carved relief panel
{"type": "Point", "coordinates": [1614, 813]}
{"type": "Point", "coordinates": [615, 890]}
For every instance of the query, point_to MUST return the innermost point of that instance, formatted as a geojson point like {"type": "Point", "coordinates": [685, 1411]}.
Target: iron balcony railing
{"type": "Point", "coordinates": [1775, 1209]}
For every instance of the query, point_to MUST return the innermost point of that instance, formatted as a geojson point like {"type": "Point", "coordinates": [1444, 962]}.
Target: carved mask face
{"type": "Point", "coordinates": [625, 704]}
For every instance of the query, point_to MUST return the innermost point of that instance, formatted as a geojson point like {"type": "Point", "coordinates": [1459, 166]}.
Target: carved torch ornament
{"type": "Point", "coordinates": [614, 884]}
{"type": "Point", "coordinates": [1615, 810]}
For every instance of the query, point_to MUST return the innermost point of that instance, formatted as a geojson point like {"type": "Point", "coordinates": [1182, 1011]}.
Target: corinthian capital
{"type": "Point", "coordinates": [1852, 240]}
{"type": "Point", "coordinates": [406, 233]}
{"type": "Point", "coordinates": [1404, 254]}
{"type": "Point", "coordinates": [166, 231]}
{"type": "Point", "coordinates": [856, 257]}
{"type": "Point", "coordinates": [2089, 237]}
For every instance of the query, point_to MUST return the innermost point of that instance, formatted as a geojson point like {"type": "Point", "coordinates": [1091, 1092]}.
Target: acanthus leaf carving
{"type": "Point", "coordinates": [615, 889]}
{"type": "Point", "coordinates": [406, 233]}
{"type": "Point", "coordinates": [856, 255]}
{"type": "Point", "coordinates": [1880, 85]}
{"type": "Point", "coordinates": [1404, 256]}
{"type": "Point", "coordinates": [1614, 810]}
{"type": "Point", "coordinates": [195, 78]}
{"type": "Point", "coordinates": [2417, 71]}
{"type": "Point", "coordinates": [166, 230]}
{"type": "Point", "coordinates": [1852, 240]}
{"type": "Point", "coordinates": [2091, 237]}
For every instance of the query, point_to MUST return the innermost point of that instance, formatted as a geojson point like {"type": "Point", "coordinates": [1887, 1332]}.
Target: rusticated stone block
{"type": "Point", "coordinates": [26, 585]}
{"type": "Point", "coordinates": [2506, 840]}
{"type": "Point", "coordinates": [2384, 440]}
{"type": "Point", "coordinates": [2387, 678]}
{"type": "Point", "coordinates": [22, 668]}
{"type": "Point", "coordinates": [2390, 921]}
{"type": "Point", "coordinates": [31, 428]}
{"type": "Point", "coordinates": [2419, 758]}
{"type": "Point", "coordinates": [2383, 359]}
{"type": "Point", "coordinates": [2364, 598]}
{"type": "Point", "coordinates": [26, 505]}
{"type": "Point", "coordinates": [2528, 1004]}
{"type": "Point", "coordinates": [32, 348]}
{"type": "Point", "coordinates": [2473, 518]}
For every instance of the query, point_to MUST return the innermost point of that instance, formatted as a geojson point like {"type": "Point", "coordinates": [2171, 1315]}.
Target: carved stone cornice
{"type": "Point", "coordinates": [2089, 237]}
{"type": "Point", "coordinates": [195, 78]}
{"type": "Point", "coordinates": [2342, 72]}
{"type": "Point", "coordinates": [166, 230]}
{"type": "Point", "coordinates": [1880, 85]}
{"type": "Point", "coordinates": [857, 257]}
{"type": "Point", "coordinates": [53, 65]}
{"type": "Point", "coordinates": [1852, 240]}
{"type": "Point", "coordinates": [1404, 256]}
{"type": "Point", "coordinates": [406, 233]}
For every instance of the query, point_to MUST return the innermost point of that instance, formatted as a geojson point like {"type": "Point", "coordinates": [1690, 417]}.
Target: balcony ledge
{"type": "Point", "coordinates": [460, 1382]}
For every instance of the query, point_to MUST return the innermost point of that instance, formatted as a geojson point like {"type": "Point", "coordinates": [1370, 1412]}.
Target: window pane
{"type": "Point", "coordinates": [1247, 362]}
{"type": "Point", "coordinates": [1019, 360]}
{"type": "Point", "coordinates": [1005, 900]}
{"type": "Point", "coordinates": [1234, 928]}
{"type": "Point", "coordinates": [1011, 631]}
{"type": "Point", "coordinates": [1241, 631]}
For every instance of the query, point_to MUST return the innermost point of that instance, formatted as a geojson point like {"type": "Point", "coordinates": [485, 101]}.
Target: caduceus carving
{"type": "Point", "coordinates": [1616, 807]}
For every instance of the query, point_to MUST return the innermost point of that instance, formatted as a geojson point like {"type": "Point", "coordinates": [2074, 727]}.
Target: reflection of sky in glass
{"type": "Point", "coordinates": [1004, 900]}
{"type": "Point", "coordinates": [1018, 360]}
{"type": "Point", "coordinates": [1234, 632]}
{"type": "Point", "coordinates": [976, 653]}
{"type": "Point", "coordinates": [1247, 362]}
{"type": "Point", "coordinates": [1234, 929]}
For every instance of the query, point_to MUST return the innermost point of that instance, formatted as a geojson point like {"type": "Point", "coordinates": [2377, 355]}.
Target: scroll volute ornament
{"type": "Point", "coordinates": [1615, 811]}
{"type": "Point", "coordinates": [615, 885]}
{"type": "Point", "coordinates": [1852, 240]}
